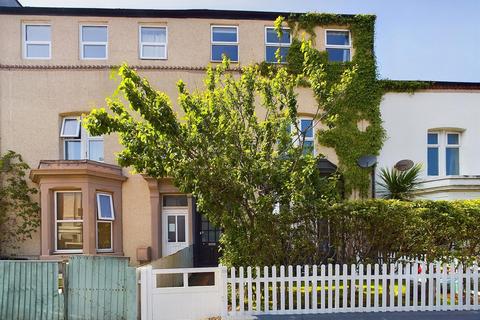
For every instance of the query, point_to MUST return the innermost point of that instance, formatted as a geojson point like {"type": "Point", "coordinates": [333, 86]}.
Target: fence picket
{"type": "Point", "coordinates": [368, 301]}
{"type": "Point", "coordinates": [345, 286]}
{"type": "Point", "coordinates": [330, 287]}
{"type": "Point", "coordinates": [314, 287]}
{"type": "Point", "coordinates": [384, 287]}
{"type": "Point", "coordinates": [353, 272]}
{"type": "Point", "coordinates": [241, 290]}
{"type": "Point", "coordinates": [322, 288]}
{"type": "Point", "coordinates": [392, 286]}
{"type": "Point", "coordinates": [290, 288]}
{"type": "Point", "coordinates": [376, 288]}
{"type": "Point", "coordinates": [249, 290]}
{"type": "Point", "coordinates": [337, 287]}
{"type": "Point", "coordinates": [444, 287]}
{"type": "Point", "coordinates": [306, 284]}
{"type": "Point", "coordinates": [266, 300]}
{"type": "Point", "coordinates": [460, 287]}
{"type": "Point", "coordinates": [468, 288]}
{"type": "Point", "coordinates": [282, 288]}
{"type": "Point", "coordinates": [274, 289]}
{"type": "Point", "coordinates": [430, 287]}
{"type": "Point", "coordinates": [298, 283]}
{"type": "Point", "coordinates": [258, 292]}
{"type": "Point", "coordinates": [475, 286]}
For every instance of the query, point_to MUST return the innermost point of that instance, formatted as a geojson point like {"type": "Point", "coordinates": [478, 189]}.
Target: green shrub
{"type": "Point", "coordinates": [438, 229]}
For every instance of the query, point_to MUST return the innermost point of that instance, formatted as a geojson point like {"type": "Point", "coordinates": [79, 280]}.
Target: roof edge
{"type": "Point", "coordinates": [176, 13]}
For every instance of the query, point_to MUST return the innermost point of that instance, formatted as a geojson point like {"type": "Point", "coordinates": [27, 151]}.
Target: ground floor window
{"type": "Point", "coordinates": [105, 218]}
{"type": "Point", "coordinates": [68, 221]}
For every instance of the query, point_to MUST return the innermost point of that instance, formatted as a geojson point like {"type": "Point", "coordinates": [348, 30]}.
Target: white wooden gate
{"type": "Point", "coordinates": [184, 293]}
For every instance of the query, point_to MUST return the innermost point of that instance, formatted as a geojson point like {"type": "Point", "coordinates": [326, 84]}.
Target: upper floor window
{"type": "Point", "coordinates": [93, 42]}
{"type": "Point", "coordinates": [37, 41]}
{"type": "Point", "coordinates": [153, 42]}
{"type": "Point", "coordinates": [273, 43]}
{"type": "Point", "coordinates": [77, 143]}
{"type": "Point", "coordinates": [305, 136]}
{"type": "Point", "coordinates": [443, 151]}
{"type": "Point", "coordinates": [338, 45]}
{"type": "Point", "coordinates": [224, 42]}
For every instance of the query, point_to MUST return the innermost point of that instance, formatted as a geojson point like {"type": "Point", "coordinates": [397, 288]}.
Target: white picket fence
{"type": "Point", "coordinates": [355, 288]}
{"type": "Point", "coordinates": [198, 293]}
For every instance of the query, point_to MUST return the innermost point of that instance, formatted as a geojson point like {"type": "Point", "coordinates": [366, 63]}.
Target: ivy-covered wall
{"type": "Point", "coordinates": [363, 96]}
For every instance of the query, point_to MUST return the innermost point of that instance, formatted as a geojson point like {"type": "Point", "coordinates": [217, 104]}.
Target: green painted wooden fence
{"type": "Point", "coordinates": [96, 287]}
{"type": "Point", "coordinates": [100, 287]}
{"type": "Point", "coordinates": [30, 290]}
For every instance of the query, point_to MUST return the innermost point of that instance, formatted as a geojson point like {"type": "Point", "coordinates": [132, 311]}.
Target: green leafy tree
{"type": "Point", "coordinates": [399, 185]}
{"type": "Point", "coordinates": [238, 150]}
{"type": "Point", "coordinates": [19, 213]}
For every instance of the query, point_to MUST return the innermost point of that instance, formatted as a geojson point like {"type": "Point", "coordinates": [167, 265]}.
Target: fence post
{"type": "Point", "coordinates": [224, 288]}
{"type": "Point", "coordinates": [146, 285]}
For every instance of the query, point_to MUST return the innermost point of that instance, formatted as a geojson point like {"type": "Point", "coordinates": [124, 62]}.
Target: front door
{"type": "Point", "coordinates": [206, 244]}
{"type": "Point", "coordinates": [175, 230]}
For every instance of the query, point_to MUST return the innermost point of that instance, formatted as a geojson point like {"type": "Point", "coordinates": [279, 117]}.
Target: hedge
{"type": "Point", "coordinates": [441, 230]}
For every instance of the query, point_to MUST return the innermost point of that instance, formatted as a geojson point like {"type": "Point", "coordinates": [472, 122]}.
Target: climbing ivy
{"type": "Point", "coordinates": [361, 103]}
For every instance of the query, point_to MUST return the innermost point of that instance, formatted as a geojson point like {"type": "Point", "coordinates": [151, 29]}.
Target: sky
{"type": "Point", "coordinates": [435, 40]}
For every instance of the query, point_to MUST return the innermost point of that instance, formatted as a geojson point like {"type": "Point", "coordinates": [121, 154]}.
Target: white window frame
{"type": "Point", "coordinates": [212, 43]}
{"type": "Point", "coordinates": [84, 139]}
{"type": "Point", "coordinates": [25, 42]}
{"type": "Point", "coordinates": [82, 43]}
{"type": "Point", "coordinates": [176, 215]}
{"type": "Point", "coordinates": [57, 221]}
{"type": "Point", "coordinates": [111, 236]}
{"type": "Point", "coordinates": [99, 217]}
{"type": "Point", "coordinates": [336, 46]}
{"type": "Point", "coordinates": [459, 146]}
{"type": "Point", "coordinates": [299, 136]}
{"type": "Point", "coordinates": [276, 44]}
{"type": "Point", "coordinates": [78, 119]}
{"type": "Point", "coordinates": [442, 146]}
{"type": "Point", "coordinates": [141, 44]}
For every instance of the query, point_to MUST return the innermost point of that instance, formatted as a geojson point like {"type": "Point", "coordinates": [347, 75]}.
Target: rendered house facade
{"type": "Point", "coordinates": [56, 67]}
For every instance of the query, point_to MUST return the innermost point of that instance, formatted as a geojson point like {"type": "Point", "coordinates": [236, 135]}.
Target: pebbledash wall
{"type": "Point", "coordinates": [446, 108]}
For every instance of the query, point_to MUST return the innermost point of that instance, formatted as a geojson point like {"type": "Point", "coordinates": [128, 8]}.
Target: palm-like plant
{"type": "Point", "coordinates": [400, 185]}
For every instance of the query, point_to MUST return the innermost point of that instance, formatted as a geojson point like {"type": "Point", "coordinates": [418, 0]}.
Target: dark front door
{"type": "Point", "coordinates": [206, 242]}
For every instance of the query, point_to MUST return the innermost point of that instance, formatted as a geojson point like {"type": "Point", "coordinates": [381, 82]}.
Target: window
{"type": "Point", "coordinates": [452, 154]}
{"type": "Point", "coordinates": [68, 221]}
{"type": "Point", "coordinates": [305, 135]}
{"type": "Point", "coordinates": [105, 217]}
{"type": "Point", "coordinates": [224, 42]}
{"type": "Point", "coordinates": [153, 42]}
{"type": "Point", "coordinates": [273, 43]}
{"type": "Point", "coordinates": [444, 145]}
{"type": "Point", "coordinates": [338, 45]}
{"type": "Point", "coordinates": [77, 143]}
{"type": "Point", "coordinates": [176, 228]}
{"type": "Point", "coordinates": [105, 206]}
{"type": "Point", "coordinates": [93, 42]}
{"type": "Point", "coordinates": [175, 201]}
{"type": "Point", "coordinates": [432, 154]}
{"type": "Point", "coordinates": [37, 41]}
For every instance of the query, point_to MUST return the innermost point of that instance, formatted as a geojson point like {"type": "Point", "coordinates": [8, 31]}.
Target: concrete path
{"type": "Point", "coordinates": [427, 315]}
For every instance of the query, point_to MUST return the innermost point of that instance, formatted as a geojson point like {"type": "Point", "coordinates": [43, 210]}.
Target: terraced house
{"type": "Point", "coordinates": [55, 66]}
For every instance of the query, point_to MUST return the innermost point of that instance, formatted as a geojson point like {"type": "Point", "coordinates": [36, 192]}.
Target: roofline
{"type": "Point", "coordinates": [183, 13]}
{"type": "Point", "coordinates": [453, 85]}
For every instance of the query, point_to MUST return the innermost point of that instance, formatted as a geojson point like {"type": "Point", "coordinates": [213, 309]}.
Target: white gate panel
{"type": "Point", "coordinates": [167, 294]}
